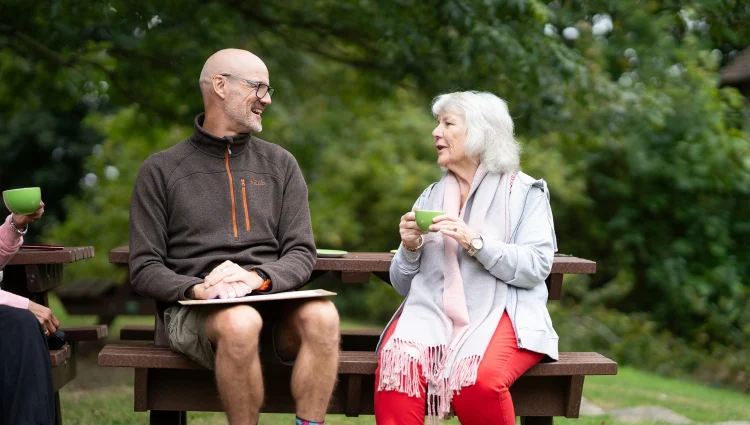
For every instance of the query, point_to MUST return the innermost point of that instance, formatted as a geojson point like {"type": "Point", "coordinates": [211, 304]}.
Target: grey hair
{"type": "Point", "coordinates": [489, 128]}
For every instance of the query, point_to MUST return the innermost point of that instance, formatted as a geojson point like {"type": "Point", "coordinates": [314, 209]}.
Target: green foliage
{"type": "Point", "coordinates": [643, 151]}
{"type": "Point", "coordinates": [99, 214]}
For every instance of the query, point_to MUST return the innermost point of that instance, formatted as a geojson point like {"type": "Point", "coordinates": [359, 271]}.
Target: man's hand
{"type": "Point", "coordinates": [48, 320]}
{"type": "Point", "coordinates": [221, 290]}
{"type": "Point", "coordinates": [217, 274]}
{"type": "Point", "coordinates": [229, 272]}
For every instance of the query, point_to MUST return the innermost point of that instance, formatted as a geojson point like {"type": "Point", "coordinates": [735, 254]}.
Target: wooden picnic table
{"type": "Point", "coordinates": [356, 267]}
{"type": "Point", "coordinates": [32, 274]}
{"type": "Point", "coordinates": [168, 384]}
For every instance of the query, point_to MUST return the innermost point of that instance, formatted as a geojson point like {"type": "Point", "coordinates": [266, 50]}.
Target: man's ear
{"type": "Point", "coordinates": [219, 84]}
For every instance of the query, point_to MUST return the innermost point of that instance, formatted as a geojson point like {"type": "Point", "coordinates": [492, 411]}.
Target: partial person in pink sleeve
{"type": "Point", "coordinates": [26, 395]}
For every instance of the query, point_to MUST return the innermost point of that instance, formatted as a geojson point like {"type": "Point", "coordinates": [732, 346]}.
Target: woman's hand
{"type": "Point", "coordinates": [410, 232]}
{"type": "Point", "coordinates": [455, 228]}
{"type": "Point", "coordinates": [48, 320]}
{"type": "Point", "coordinates": [21, 221]}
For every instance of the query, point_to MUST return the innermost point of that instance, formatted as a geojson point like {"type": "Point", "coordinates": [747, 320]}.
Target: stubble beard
{"type": "Point", "coordinates": [241, 114]}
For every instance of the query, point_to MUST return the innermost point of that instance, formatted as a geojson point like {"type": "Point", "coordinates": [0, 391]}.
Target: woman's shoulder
{"type": "Point", "coordinates": [530, 182]}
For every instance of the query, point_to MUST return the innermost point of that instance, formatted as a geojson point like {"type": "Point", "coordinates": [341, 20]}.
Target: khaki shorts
{"type": "Point", "coordinates": [186, 330]}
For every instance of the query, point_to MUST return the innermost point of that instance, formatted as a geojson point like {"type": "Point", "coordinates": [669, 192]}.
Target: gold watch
{"type": "Point", "coordinates": [475, 245]}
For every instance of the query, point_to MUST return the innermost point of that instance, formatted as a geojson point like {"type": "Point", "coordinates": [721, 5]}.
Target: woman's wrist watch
{"type": "Point", "coordinates": [475, 245]}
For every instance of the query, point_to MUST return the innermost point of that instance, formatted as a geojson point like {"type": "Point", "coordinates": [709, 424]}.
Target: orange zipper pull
{"type": "Point", "coordinates": [244, 204]}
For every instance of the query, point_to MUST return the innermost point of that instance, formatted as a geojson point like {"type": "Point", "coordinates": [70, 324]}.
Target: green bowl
{"type": "Point", "coordinates": [22, 201]}
{"type": "Point", "coordinates": [424, 219]}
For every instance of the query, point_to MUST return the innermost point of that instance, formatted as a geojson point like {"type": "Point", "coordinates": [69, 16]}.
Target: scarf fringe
{"type": "Point", "coordinates": [399, 371]}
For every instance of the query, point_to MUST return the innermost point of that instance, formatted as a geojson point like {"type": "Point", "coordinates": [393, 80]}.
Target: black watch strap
{"type": "Point", "coordinates": [263, 275]}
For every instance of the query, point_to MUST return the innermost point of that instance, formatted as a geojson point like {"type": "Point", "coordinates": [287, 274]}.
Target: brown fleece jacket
{"type": "Point", "coordinates": [210, 199]}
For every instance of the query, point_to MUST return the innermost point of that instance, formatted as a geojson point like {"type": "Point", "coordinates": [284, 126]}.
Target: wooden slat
{"type": "Point", "coordinates": [64, 256]}
{"type": "Point", "coordinates": [350, 362]}
{"type": "Point", "coordinates": [58, 357]}
{"type": "Point", "coordinates": [64, 373]}
{"type": "Point", "coordinates": [86, 333]}
{"type": "Point", "coordinates": [144, 357]}
{"type": "Point", "coordinates": [380, 262]}
{"type": "Point", "coordinates": [119, 255]}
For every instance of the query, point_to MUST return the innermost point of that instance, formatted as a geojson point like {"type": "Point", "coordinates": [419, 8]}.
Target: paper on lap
{"type": "Point", "coordinates": [314, 293]}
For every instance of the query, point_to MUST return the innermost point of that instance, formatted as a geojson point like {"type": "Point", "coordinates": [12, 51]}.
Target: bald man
{"type": "Point", "coordinates": [224, 214]}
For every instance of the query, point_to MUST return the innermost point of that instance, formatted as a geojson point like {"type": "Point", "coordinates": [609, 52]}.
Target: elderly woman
{"type": "Point", "coordinates": [475, 317]}
{"type": "Point", "coordinates": [26, 393]}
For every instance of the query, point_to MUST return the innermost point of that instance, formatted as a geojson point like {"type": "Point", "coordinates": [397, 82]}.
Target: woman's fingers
{"type": "Point", "coordinates": [446, 217]}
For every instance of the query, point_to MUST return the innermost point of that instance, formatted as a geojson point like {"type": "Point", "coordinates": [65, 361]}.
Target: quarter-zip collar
{"type": "Point", "coordinates": [217, 146]}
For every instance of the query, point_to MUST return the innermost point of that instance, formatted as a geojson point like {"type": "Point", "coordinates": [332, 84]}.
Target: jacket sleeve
{"type": "Point", "coordinates": [296, 242]}
{"type": "Point", "coordinates": [149, 275]}
{"type": "Point", "coordinates": [10, 241]}
{"type": "Point", "coordinates": [405, 264]}
{"type": "Point", "coordinates": [527, 262]}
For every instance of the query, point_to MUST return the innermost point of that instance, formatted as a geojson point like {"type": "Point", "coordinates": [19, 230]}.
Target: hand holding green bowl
{"type": "Point", "coordinates": [424, 219]}
{"type": "Point", "coordinates": [23, 201]}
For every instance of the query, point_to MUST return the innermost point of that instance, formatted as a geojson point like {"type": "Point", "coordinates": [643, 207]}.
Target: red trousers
{"type": "Point", "coordinates": [488, 401]}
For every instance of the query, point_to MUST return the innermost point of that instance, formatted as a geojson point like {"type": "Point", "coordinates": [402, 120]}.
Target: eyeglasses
{"type": "Point", "coordinates": [260, 88]}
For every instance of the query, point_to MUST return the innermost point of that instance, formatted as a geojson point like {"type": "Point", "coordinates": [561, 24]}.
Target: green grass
{"type": "Point", "coordinates": [105, 395]}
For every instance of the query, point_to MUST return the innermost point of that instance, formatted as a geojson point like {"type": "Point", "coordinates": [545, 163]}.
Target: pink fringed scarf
{"type": "Point", "coordinates": [447, 336]}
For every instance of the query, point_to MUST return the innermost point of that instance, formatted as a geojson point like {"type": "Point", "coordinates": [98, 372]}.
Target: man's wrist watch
{"type": "Point", "coordinates": [475, 245]}
{"type": "Point", "coordinates": [16, 229]}
{"type": "Point", "coordinates": [266, 279]}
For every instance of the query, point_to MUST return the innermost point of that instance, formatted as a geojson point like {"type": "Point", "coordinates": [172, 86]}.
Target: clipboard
{"type": "Point", "coordinates": [292, 295]}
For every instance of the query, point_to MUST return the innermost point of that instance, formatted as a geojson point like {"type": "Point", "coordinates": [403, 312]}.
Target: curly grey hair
{"type": "Point", "coordinates": [489, 128]}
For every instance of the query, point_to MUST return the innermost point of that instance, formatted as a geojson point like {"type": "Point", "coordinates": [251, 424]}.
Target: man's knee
{"type": "Point", "coordinates": [236, 329]}
{"type": "Point", "coordinates": [318, 320]}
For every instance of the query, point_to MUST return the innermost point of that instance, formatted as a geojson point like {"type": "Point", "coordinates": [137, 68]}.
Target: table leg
{"type": "Point", "coordinates": [58, 410]}
{"type": "Point", "coordinates": [537, 420]}
{"type": "Point", "coordinates": [168, 417]}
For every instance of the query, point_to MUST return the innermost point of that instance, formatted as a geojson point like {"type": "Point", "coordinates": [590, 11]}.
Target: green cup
{"type": "Point", "coordinates": [22, 201]}
{"type": "Point", "coordinates": [424, 218]}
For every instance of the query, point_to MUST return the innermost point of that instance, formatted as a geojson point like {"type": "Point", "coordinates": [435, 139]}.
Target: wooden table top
{"type": "Point", "coordinates": [374, 262]}
{"type": "Point", "coordinates": [64, 256]}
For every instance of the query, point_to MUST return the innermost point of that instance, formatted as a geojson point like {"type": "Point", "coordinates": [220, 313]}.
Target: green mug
{"type": "Point", "coordinates": [424, 219]}
{"type": "Point", "coordinates": [22, 201]}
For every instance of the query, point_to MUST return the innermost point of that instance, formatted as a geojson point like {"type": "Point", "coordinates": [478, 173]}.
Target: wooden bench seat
{"type": "Point", "coordinates": [58, 357]}
{"type": "Point", "coordinates": [168, 384]}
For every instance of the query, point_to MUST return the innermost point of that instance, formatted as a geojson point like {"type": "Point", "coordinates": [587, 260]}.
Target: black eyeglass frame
{"type": "Point", "coordinates": [257, 85]}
